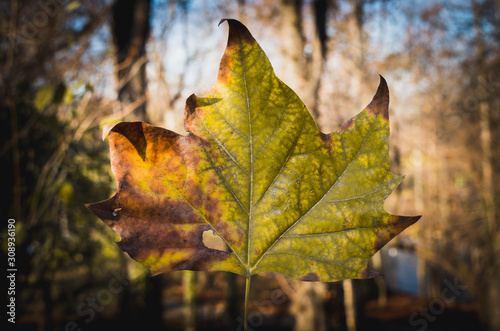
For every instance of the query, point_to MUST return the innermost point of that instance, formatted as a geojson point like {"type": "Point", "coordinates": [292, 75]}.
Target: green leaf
{"type": "Point", "coordinates": [44, 96]}
{"type": "Point", "coordinates": [256, 171]}
{"type": "Point", "coordinates": [68, 96]}
{"type": "Point", "coordinates": [72, 6]}
{"type": "Point", "coordinates": [66, 192]}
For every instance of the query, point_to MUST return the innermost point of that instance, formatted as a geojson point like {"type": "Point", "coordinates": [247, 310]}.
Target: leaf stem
{"type": "Point", "coordinates": [247, 294]}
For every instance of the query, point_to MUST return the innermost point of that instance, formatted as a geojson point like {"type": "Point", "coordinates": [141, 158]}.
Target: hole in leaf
{"type": "Point", "coordinates": [213, 241]}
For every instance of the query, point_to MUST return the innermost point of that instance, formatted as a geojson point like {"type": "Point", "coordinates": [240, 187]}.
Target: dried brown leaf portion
{"type": "Point", "coordinates": [167, 196]}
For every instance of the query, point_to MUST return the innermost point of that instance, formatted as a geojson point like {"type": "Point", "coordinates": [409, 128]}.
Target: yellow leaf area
{"type": "Point", "coordinates": [256, 171]}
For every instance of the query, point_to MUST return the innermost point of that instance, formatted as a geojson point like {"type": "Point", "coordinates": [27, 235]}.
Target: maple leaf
{"type": "Point", "coordinates": [255, 170]}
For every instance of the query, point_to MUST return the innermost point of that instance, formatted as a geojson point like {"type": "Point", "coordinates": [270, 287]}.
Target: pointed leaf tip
{"type": "Point", "coordinates": [238, 33]}
{"type": "Point", "coordinates": [106, 129]}
{"type": "Point", "coordinates": [380, 103]}
{"type": "Point", "coordinates": [395, 226]}
{"type": "Point", "coordinates": [190, 112]}
{"type": "Point", "coordinates": [368, 273]}
{"type": "Point", "coordinates": [238, 40]}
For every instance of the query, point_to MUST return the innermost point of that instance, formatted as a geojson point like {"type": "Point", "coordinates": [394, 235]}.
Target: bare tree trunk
{"type": "Point", "coordinates": [189, 282]}
{"type": "Point", "coordinates": [349, 305]}
{"type": "Point", "coordinates": [358, 16]}
{"type": "Point", "coordinates": [355, 55]}
{"type": "Point", "coordinates": [130, 33]}
{"type": "Point", "coordinates": [491, 302]}
{"type": "Point", "coordinates": [497, 4]}
{"type": "Point", "coordinates": [380, 281]}
{"type": "Point", "coordinates": [422, 276]}
{"type": "Point", "coordinates": [127, 309]}
{"type": "Point", "coordinates": [418, 168]}
{"type": "Point", "coordinates": [231, 313]}
{"type": "Point", "coordinates": [303, 60]}
{"type": "Point", "coordinates": [242, 13]}
{"type": "Point", "coordinates": [485, 135]}
{"type": "Point", "coordinates": [292, 44]}
{"type": "Point", "coordinates": [307, 307]}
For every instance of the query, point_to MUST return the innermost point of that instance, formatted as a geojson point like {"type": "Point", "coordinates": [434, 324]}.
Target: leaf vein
{"type": "Point", "coordinates": [219, 143]}
{"type": "Point", "coordinates": [230, 124]}
{"type": "Point", "coordinates": [267, 251]}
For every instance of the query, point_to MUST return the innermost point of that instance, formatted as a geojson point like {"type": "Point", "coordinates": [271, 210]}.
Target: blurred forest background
{"type": "Point", "coordinates": [69, 67]}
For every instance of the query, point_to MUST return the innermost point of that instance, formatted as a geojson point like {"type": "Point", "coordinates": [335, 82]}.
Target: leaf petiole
{"type": "Point", "coordinates": [247, 292]}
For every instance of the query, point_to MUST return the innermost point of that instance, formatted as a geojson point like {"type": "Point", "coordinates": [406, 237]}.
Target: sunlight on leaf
{"type": "Point", "coordinates": [256, 171]}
